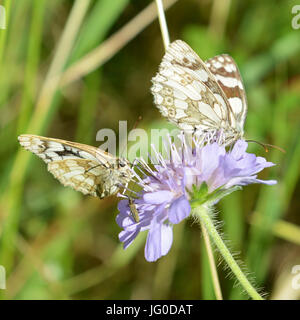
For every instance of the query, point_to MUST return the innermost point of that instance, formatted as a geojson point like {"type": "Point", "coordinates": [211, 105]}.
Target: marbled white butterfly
{"type": "Point", "coordinates": [87, 169]}
{"type": "Point", "coordinates": [202, 97]}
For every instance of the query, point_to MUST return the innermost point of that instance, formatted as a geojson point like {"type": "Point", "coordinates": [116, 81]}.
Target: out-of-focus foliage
{"type": "Point", "coordinates": [58, 244]}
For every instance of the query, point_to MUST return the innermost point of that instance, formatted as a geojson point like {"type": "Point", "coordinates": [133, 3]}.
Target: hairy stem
{"type": "Point", "coordinates": [212, 265]}
{"type": "Point", "coordinates": [203, 214]}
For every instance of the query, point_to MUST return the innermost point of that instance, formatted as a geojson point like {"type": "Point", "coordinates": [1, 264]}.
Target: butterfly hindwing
{"type": "Point", "coordinates": [227, 74]}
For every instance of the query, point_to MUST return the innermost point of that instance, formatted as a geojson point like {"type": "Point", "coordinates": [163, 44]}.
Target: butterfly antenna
{"type": "Point", "coordinates": [266, 145]}
{"type": "Point", "coordinates": [275, 147]}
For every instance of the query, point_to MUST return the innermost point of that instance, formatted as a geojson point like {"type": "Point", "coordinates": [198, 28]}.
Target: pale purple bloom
{"type": "Point", "coordinates": [165, 196]}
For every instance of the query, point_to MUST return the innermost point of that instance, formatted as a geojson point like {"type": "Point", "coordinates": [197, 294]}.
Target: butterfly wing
{"type": "Point", "coordinates": [189, 95]}
{"type": "Point", "coordinates": [227, 74]}
{"type": "Point", "coordinates": [84, 168]}
{"type": "Point", "coordinates": [186, 92]}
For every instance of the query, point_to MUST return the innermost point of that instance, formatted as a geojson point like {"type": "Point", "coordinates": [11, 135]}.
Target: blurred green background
{"type": "Point", "coordinates": [69, 68]}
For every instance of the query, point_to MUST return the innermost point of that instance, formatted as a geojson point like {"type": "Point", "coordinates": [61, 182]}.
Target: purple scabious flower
{"type": "Point", "coordinates": [167, 190]}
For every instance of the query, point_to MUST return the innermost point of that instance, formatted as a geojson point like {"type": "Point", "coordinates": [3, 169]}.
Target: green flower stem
{"type": "Point", "coordinates": [203, 214]}
{"type": "Point", "coordinates": [212, 265]}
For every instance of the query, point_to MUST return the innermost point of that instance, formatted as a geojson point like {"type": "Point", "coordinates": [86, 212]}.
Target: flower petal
{"type": "Point", "coordinates": [243, 181]}
{"type": "Point", "coordinates": [239, 149]}
{"type": "Point", "coordinates": [159, 241]}
{"type": "Point", "coordinates": [210, 159]}
{"type": "Point", "coordinates": [158, 196]}
{"type": "Point", "coordinates": [127, 237]}
{"type": "Point", "coordinates": [179, 210]}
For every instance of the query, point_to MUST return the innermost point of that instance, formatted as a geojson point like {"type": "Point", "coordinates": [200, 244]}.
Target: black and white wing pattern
{"type": "Point", "coordinates": [85, 168]}
{"type": "Point", "coordinates": [189, 94]}
{"type": "Point", "coordinates": [226, 72]}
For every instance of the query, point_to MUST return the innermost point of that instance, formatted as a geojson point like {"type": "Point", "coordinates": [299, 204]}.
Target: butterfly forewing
{"type": "Point", "coordinates": [189, 94]}
{"type": "Point", "coordinates": [179, 98]}
{"type": "Point", "coordinates": [84, 168]}
{"type": "Point", "coordinates": [227, 74]}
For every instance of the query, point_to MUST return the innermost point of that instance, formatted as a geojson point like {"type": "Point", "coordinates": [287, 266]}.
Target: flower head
{"type": "Point", "coordinates": [206, 172]}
